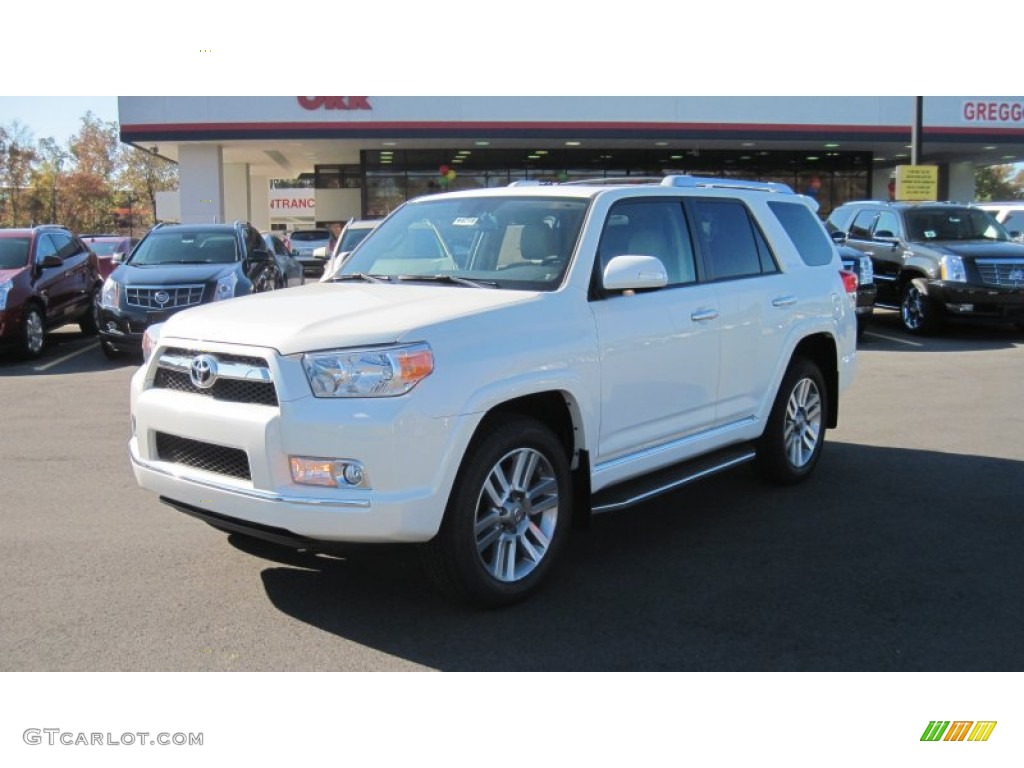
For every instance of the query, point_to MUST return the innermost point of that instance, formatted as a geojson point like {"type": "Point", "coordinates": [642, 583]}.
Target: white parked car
{"type": "Point", "coordinates": [492, 366]}
{"type": "Point", "coordinates": [1010, 214]}
{"type": "Point", "coordinates": [353, 234]}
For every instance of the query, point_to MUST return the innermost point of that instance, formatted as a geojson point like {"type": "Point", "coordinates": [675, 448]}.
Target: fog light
{"type": "Point", "coordinates": [333, 473]}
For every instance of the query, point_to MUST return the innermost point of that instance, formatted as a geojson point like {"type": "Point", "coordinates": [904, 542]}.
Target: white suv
{"type": "Point", "coordinates": [492, 366]}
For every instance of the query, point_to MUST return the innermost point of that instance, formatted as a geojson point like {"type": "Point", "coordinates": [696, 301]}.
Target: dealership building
{"type": "Point", "coordinates": [360, 156]}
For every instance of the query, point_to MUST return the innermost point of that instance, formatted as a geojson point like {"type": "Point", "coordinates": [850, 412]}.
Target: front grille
{"type": "Point", "coordinates": [206, 456]}
{"type": "Point", "coordinates": [241, 378]}
{"type": "Point", "coordinates": [230, 390]}
{"type": "Point", "coordinates": [160, 297]}
{"type": "Point", "coordinates": [1006, 273]}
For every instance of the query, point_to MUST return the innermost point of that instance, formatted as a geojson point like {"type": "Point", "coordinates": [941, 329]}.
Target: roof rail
{"type": "Point", "coordinates": [531, 183]}
{"type": "Point", "coordinates": [681, 180]}
{"type": "Point", "coordinates": [614, 181]}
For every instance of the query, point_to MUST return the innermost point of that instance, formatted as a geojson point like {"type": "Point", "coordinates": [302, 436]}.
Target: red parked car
{"type": "Point", "coordinates": [48, 278]}
{"type": "Point", "coordinates": [111, 250]}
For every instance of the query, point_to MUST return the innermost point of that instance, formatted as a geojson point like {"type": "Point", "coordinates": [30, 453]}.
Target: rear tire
{"type": "Point", "coordinates": [508, 515]}
{"type": "Point", "coordinates": [789, 449]}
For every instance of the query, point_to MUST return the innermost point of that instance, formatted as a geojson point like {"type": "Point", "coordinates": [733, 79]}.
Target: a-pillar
{"type": "Point", "coordinates": [259, 202]}
{"type": "Point", "coordinates": [201, 183]}
{"type": "Point", "coordinates": [236, 192]}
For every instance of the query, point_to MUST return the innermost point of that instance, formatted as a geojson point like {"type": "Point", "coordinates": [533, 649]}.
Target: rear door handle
{"type": "Point", "coordinates": [703, 315]}
{"type": "Point", "coordinates": [784, 301]}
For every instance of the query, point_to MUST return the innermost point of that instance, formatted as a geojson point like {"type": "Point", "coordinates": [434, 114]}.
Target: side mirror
{"type": "Point", "coordinates": [839, 238]}
{"type": "Point", "coordinates": [117, 258]}
{"type": "Point", "coordinates": [885, 236]}
{"type": "Point", "coordinates": [51, 261]}
{"type": "Point", "coordinates": [1016, 235]}
{"type": "Point", "coordinates": [634, 273]}
{"type": "Point", "coordinates": [320, 253]}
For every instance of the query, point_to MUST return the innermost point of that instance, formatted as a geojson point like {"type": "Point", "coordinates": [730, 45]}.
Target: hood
{"type": "Point", "coordinates": [331, 315]}
{"type": "Point", "coordinates": [171, 274]}
{"type": "Point", "coordinates": [979, 249]}
{"type": "Point", "coordinates": [10, 274]}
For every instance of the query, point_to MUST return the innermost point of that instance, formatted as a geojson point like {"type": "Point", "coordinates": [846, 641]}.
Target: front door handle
{"type": "Point", "coordinates": [784, 301]}
{"type": "Point", "coordinates": [703, 315]}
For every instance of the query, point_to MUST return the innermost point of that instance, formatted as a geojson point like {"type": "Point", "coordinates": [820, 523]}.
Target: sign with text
{"type": "Point", "coordinates": [290, 203]}
{"type": "Point", "coordinates": [917, 182]}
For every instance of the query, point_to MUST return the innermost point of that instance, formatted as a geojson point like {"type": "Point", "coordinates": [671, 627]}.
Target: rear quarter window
{"type": "Point", "coordinates": [805, 231]}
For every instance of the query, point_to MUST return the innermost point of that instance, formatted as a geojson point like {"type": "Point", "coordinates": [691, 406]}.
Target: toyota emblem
{"type": "Point", "coordinates": [161, 297]}
{"type": "Point", "coordinates": [203, 371]}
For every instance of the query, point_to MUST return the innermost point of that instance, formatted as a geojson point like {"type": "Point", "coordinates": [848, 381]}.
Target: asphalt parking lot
{"type": "Point", "coordinates": [903, 551]}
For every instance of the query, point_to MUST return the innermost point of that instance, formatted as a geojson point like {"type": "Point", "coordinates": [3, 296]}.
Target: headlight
{"type": "Point", "coordinates": [5, 288]}
{"type": "Point", "coordinates": [226, 287]}
{"type": "Point", "coordinates": [150, 340]}
{"type": "Point", "coordinates": [867, 270]}
{"type": "Point", "coordinates": [111, 294]}
{"type": "Point", "coordinates": [374, 372]}
{"type": "Point", "coordinates": [952, 269]}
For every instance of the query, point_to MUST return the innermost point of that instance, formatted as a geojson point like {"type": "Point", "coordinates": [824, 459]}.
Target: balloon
{"type": "Point", "coordinates": [443, 170]}
{"type": "Point", "coordinates": [450, 175]}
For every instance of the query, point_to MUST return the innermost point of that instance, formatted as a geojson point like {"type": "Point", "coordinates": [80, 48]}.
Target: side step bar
{"type": "Point", "coordinates": [644, 488]}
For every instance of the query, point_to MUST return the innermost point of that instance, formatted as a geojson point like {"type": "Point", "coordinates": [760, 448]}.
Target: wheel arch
{"type": "Point", "coordinates": [820, 348]}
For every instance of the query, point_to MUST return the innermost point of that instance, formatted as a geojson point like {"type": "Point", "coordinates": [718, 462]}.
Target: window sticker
{"type": "Point", "coordinates": [930, 234]}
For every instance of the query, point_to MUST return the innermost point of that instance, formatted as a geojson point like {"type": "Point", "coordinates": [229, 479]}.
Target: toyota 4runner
{"type": "Point", "coordinates": [494, 366]}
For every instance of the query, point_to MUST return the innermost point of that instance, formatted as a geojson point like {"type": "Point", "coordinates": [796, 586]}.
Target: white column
{"type": "Point", "coordinates": [961, 182]}
{"type": "Point", "coordinates": [236, 192]}
{"type": "Point", "coordinates": [201, 182]}
{"type": "Point", "coordinates": [880, 177]}
{"type": "Point", "coordinates": [259, 202]}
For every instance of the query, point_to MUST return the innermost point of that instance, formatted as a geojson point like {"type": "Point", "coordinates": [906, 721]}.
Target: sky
{"type": "Point", "coordinates": [56, 116]}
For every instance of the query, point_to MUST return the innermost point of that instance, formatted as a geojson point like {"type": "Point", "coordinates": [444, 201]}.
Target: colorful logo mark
{"type": "Point", "coordinates": [959, 730]}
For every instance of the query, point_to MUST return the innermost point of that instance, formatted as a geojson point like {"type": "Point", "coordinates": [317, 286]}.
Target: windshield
{"type": "Point", "coordinates": [177, 247]}
{"type": "Point", "coordinates": [310, 235]}
{"type": "Point", "coordinates": [13, 252]}
{"type": "Point", "coordinates": [509, 242]}
{"type": "Point", "coordinates": [925, 224]}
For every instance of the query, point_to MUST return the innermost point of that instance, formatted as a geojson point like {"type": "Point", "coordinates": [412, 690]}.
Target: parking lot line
{"type": "Point", "coordinates": [59, 360]}
{"type": "Point", "coordinates": [893, 338]}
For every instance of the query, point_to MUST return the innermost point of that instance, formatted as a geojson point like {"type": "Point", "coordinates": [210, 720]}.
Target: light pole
{"type": "Point", "coordinates": [57, 165]}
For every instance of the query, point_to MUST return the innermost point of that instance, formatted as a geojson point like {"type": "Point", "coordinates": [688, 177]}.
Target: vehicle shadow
{"type": "Point", "coordinates": [67, 350]}
{"type": "Point", "coordinates": [884, 333]}
{"type": "Point", "coordinates": [857, 569]}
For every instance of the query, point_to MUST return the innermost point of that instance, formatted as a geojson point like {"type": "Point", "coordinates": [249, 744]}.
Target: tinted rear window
{"type": "Point", "coordinates": [305, 236]}
{"type": "Point", "coordinates": [805, 231]}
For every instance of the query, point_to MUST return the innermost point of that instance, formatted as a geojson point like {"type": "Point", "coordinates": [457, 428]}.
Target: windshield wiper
{"type": "Point", "coordinates": [449, 279]}
{"type": "Point", "coordinates": [358, 276]}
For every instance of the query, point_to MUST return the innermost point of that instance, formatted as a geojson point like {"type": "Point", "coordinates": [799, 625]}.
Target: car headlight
{"type": "Point", "coordinates": [952, 269]}
{"type": "Point", "coordinates": [110, 296]}
{"type": "Point", "coordinates": [226, 287]}
{"type": "Point", "coordinates": [372, 372]}
{"type": "Point", "coordinates": [5, 288]}
{"type": "Point", "coordinates": [150, 340]}
{"type": "Point", "coordinates": [867, 270]}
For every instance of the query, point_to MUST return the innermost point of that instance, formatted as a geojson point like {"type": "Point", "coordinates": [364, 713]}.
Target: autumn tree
{"type": "Point", "coordinates": [998, 182]}
{"type": "Point", "coordinates": [17, 156]}
{"type": "Point", "coordinates": [143, 174]}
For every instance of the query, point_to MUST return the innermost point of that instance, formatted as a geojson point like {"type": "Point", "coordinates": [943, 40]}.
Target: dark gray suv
{"type": "Point", "coordinates": [933, 261]}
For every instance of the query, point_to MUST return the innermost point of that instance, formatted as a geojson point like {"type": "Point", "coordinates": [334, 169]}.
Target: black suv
{"type": "Point", "coordinates": [177, 266]}
{"type": "Point", "coordinates": [48, 278]}
{"type": "Point", "coordinates": [937, 260]}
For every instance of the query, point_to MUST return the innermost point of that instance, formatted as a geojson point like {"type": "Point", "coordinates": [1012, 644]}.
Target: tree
{"type": "Point", "coordinates": [89, 187]}
{"type": "Point", "coordinates": [143, 174]}
{"type": "Point", "coordinates": [17, 156]}
{"type": "Point", "coordinates": [998, 182]}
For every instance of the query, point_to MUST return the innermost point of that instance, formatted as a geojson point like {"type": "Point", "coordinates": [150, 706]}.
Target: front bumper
{"type": "Point", "coordinates": [410, 458]}
{"type": "Point", "coordinates": [124, 328]}
{"type": "Point", "coordinates": [977, 300]}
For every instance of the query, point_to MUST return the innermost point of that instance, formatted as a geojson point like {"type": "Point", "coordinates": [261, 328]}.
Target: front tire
{"type": "Point", "coordinates": [33, 333]}
{"type": "Point", "coordinates": [90, 323]}
{"type": "Point", "coordinates": [793, 438]}
{"type": "Point", "coordinates": [919, 314]}
{"type": "Point", "coordinates": [508, 515]}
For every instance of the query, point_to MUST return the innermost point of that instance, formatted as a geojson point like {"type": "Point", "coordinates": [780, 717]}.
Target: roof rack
{"type": "Point", "coordinates": [681, 180]}
{"type": "Point", "coordinates": [614, 181]}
